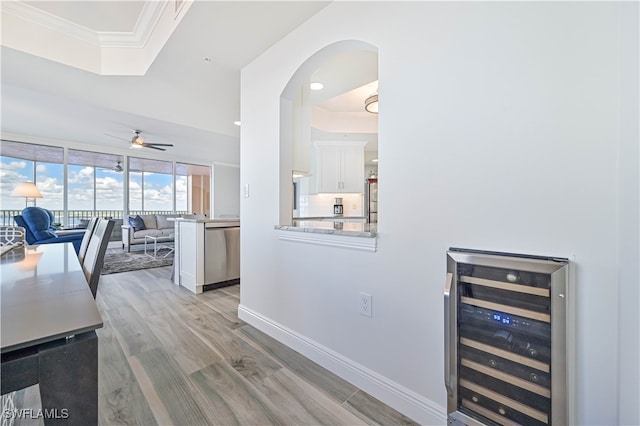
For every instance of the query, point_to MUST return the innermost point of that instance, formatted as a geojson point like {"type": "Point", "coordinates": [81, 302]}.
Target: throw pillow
{"type": "Point", "coordinates": [137, 223]}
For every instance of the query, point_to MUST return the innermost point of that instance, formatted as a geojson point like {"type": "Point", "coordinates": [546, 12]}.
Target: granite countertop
{"type": "Point", "coordinates": [328, 217]}
{"type": "Point", "coordinates": [351, 229]}
{"type": "Point", "coordinates": [215, 220]}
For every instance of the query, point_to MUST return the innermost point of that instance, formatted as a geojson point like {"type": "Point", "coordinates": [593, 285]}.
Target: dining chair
{"type": "Point", "coordinates": [8, 407]}
{"type": "Point", "coordinates": [94, 257]}
{"type": "Point", "coordinates": [12, 235]}
{"type": "Point", "coordinates": [91, 225]}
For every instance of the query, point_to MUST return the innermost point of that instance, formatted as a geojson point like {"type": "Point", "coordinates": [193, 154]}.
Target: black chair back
{"type": "Point", "coordinates": [94, 256]}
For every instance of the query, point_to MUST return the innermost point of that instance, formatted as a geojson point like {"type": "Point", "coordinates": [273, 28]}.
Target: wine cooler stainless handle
{"type": "Point", "coordinates": [447, 335]}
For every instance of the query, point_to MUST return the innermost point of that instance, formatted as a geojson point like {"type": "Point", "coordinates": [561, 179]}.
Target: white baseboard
{"type": "Point", "coordinates": [406, 401]}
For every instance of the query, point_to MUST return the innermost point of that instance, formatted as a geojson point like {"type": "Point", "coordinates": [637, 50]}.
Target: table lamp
{"type": "Point", "coordinates": [27, 190]}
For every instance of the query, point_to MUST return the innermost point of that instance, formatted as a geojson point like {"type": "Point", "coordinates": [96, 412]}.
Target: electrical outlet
{"type": "Point", "coordinates": [365, 304]}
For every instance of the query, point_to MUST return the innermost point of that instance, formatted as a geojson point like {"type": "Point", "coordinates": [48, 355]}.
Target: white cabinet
{"type": "Point", "coordinates": [301, 131]}
{"type": "Point", "coordinates": [207, 253]}
{"type": "Point", "coordinates": [340, 166]}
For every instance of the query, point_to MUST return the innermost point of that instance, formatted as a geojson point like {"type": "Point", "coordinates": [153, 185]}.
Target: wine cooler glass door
{"type": "Point", "coordinates": [505, 360]}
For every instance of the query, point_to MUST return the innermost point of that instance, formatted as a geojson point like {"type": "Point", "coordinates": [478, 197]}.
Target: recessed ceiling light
{"type": "Point", "coordinates": [207, 59]}
{"type": "Point", "coordinates": [375, 160]}
{"type": "Point", "coordinates": [237, 123]}
{"type": "Point", "coordinates": [316, 86]}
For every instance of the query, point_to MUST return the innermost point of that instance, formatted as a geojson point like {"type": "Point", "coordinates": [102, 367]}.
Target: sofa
{"type": "Point", "coordinates": [38, 224]}
{"type": "Point", "coordinates": [154, 225]}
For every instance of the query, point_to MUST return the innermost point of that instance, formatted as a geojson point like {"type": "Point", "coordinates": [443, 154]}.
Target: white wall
{"type": "Point", "coordinates": [499, 129]}
{"type": "Point", "coordinates": [629, 225]}
{"type": "Point", "coordinates": [226, 191]}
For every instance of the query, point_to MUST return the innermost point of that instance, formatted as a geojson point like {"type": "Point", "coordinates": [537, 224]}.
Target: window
{"type": "Point", "coordinates": [43, 165]}
{"type": "Point", "coordinates": [150, 186]}
{"type": "Point", "coordinates": [95, 188]}
{"type": "Point", "coordinates": [95, 184]}
{"type": "Point", "coordinates": [193, 188]}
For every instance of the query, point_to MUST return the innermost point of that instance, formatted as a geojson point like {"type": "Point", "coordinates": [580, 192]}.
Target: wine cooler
{"type": "Point", "coordinates": [505, 338]}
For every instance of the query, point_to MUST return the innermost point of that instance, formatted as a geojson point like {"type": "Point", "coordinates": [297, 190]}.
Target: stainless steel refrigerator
{"type": "Point", "coordinates": [371, 200]}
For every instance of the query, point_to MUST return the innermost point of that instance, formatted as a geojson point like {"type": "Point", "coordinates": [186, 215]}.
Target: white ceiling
{"type": "Point", "coordinates": [181, 99]}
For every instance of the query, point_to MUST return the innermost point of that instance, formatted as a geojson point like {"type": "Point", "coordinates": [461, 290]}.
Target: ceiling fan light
{"type": "Point", "coordinates": [371, 104]}
{"type": "Point", "coordinates": [137, 139]}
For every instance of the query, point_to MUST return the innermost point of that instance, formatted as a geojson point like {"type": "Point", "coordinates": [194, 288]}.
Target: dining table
{"type": "Point", "coordinates": [48, 318]}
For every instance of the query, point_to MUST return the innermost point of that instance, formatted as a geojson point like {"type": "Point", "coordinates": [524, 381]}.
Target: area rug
{"type": "Point", "coordinates": [118, 261]}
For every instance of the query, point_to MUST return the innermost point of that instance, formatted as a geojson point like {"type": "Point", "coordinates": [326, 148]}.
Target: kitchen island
{"type": "Point", "coordinates": [348, 235]}
{"type": "Point", "coordinates": [207, 253]}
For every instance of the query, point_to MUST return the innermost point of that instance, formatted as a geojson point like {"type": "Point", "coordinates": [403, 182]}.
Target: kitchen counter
{"type": "Point", "coordinates": [330, 218]}
{"type": "Point", "coordinates": [207, 253]}
{"type": "Point", "coordinates": [234, 221]}
{"type": "Point", "coordinates": [350, 229]}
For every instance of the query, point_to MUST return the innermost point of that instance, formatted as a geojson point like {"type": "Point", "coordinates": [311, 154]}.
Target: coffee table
{"type": "Point", "coordinates": [156, 247]}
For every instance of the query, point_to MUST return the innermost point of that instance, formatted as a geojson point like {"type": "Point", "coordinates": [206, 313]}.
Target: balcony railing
{"type": "Point", "coordinates": [75, 218]}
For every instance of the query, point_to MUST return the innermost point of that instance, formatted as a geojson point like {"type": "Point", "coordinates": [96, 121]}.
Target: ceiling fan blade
{"type": "Point", "coordinates": [158, 144]}
{"type": "Point", "coordinates": [146, 145]}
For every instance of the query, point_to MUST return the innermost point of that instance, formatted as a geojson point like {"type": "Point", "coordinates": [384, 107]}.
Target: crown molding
{"type": "Point", "coordinates": [49, 21]}
{"type": "Point", "coordinates": [151, 13]}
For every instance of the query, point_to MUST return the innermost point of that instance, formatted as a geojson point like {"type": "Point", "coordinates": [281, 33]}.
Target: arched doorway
{"type": "Point", "coordinates": [347, 75]}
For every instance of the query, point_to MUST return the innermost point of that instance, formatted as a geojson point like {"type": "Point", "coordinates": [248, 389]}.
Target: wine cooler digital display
{"type": "Point", "coordinates": [505, 320]}
{"type": "Point", "coordinates": [501, 318]}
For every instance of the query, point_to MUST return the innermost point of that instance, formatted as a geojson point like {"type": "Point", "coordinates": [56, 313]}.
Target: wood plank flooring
{"type": "Point", "coordinates": [170, 357]}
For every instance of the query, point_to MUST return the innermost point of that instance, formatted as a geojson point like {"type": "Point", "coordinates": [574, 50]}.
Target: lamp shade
{"type": "Point", "coordinates": [26, 189]}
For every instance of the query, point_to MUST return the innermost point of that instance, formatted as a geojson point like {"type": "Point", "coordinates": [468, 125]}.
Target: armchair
{"type": "Point", "coordinates": [39, 230]}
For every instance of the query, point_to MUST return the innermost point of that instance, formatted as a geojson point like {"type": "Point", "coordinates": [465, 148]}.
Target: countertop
{"type": "Point", "coordinates": [218, 220]}
{"type": "Point", "coordinates": [351, 229]}
{"type": "Point", "coordinates": [329, 217]}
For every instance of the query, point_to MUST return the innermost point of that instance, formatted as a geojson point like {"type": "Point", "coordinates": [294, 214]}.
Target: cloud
{"type": "Point", "coordinates": [13, 165]}
{"type": "Point", "coordinates": [80, 175]}
{"type": "Point", "coordinates": [11, 173]}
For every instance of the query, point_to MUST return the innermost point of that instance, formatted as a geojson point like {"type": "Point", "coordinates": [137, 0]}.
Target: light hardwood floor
{"type": "Point", "coordinates": [169, 357]}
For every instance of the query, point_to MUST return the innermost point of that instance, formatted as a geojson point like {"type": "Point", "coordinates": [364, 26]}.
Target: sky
{"type": "Point", "coordinates": [109, 187]}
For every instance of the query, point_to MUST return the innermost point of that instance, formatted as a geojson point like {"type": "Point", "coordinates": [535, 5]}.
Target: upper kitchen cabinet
{"type": "Point", "coordinates": [339, 166]}
{"type": "Point", "coordinates": [301, 132]}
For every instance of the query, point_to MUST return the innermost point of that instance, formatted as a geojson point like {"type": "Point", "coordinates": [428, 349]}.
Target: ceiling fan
{"type": "Point", "coordinates": [137, 141]}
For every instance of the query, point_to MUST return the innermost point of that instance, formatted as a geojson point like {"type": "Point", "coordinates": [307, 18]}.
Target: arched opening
{"type": "Point", "coordinates": [328, 141]}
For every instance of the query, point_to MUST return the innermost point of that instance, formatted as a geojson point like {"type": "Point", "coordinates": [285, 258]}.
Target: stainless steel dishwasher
{"type": "Point", "coordinates": [222, 255]}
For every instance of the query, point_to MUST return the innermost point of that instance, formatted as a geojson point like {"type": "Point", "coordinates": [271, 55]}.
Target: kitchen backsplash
{"type": "Point", "coordinates": [322, 205]}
